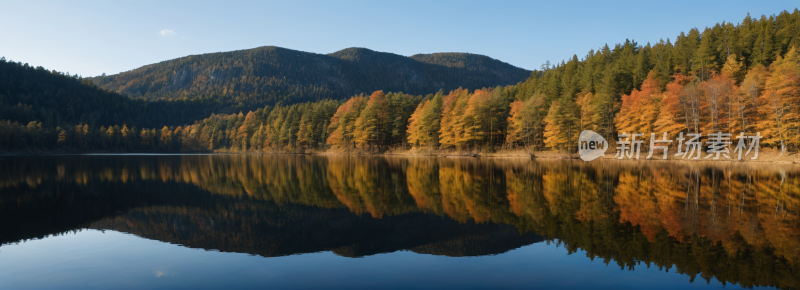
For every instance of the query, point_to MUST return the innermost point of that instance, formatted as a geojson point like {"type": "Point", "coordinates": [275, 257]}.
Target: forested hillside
{"type": "Point", "coordinates": [472, 62]}
{"type": "Point", "coordinates": [727, 78]}
{"type": "Point", "coordinates": [247, 79]}
{"type": "Point", "coordinates": [54, 98]}
{"type": "Point", "coordinates": [35, 94]}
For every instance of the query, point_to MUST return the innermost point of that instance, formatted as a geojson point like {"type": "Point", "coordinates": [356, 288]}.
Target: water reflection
{"type": "Point", "coordinates": [733, 222]}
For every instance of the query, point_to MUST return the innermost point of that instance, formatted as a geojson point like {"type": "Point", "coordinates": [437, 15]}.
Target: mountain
{"type": "Point", "coordinates": [269, 74]}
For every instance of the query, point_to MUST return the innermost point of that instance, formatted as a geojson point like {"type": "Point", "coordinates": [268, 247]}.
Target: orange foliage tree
{"type": "Point", "coordinates": [371, 125]}
{"type": "Point", "coordinates": [342, 126]}
{"type": "Point", "coordinates": [639, 110]}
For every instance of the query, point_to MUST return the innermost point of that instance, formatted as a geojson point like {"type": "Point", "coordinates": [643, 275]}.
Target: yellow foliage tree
{"type": "Point", "coordinates": [778, 103]}
{"type": "Point", "coordinates": [415, 124]}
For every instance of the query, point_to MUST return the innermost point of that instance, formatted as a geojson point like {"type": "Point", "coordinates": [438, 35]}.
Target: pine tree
{"type": "Point", "coordinates": [515, 123]}
{"type": "Point", "coordinates": [305, 133]}
{"type": "Point", "coordinates": [165, 137]}
{"type": "Point", "coordinates": [431, 119]}
{"type": "Point", "coordinates": [705, 58]}
{"type": "Point", "coordinates": [370, 127]}
{"type": "Point", "coordinates": [734, 69]}
{"type": "Point", "coordinates": [416, 126]}
{"type": "Point", "coordinates": [562, 127]}
{"type": "Point", "coordinates": [778, 102]}
{"type": "Point", "coordinates": [475, 118]}
{"type": "Point", "coordinates": [453, 107]}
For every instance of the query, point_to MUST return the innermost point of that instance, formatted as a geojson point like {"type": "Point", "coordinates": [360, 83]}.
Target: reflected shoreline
{"type": "Point", "coordinates": [770, 156]}
{"type": "Point", "coordinates": [736, 222]}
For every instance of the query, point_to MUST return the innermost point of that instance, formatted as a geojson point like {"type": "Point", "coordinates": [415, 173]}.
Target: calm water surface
{"type": "Point", "coordinates": [231, 221]}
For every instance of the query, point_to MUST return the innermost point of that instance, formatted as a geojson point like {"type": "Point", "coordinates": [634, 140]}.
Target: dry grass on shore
{"type": "Point", "coordinates": [765, 154]}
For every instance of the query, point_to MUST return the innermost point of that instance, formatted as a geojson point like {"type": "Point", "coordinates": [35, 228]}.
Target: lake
{"type": "Point", "coordinates": [299, 221]}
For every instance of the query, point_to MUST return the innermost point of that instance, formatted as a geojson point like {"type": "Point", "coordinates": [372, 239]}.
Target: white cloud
{"type": "Point", "coordinates": [159, 274]}
{"type": "Point", "coordinates": [166, 32]}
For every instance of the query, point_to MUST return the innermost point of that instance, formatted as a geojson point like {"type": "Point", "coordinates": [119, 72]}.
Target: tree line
{"type": "Point", "coordinates": [727, 78]}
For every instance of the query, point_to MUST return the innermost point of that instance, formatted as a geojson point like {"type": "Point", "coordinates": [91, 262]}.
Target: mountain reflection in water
{"type": "Point", "coordinates": [733, 222]}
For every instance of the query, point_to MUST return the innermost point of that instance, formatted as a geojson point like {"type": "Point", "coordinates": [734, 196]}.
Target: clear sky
{"type": "Point", "coordinates": [94, 37]}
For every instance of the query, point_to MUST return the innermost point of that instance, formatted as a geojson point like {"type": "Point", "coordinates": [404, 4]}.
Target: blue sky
{"type": "Point", "coordinates": [94, 37]}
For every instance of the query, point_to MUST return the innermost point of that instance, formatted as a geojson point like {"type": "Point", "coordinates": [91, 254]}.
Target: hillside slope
{"type": "Point", "coordinates": [30, 93]}
{"type": "Point", "coordinates": [53, 99]}
{"type": "Point", "coordinates": [265, 75]}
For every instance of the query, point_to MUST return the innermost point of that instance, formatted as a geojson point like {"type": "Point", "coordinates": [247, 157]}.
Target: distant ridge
{"type": "Point", "coordinates": [270, 74]}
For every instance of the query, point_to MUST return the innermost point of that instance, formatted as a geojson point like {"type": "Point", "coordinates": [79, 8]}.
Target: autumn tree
{"type": "Point", "coordinates": [734, 69]}
{"type": "Point", "coordinates": [371, 125]}
{"type": "Point", "coordinates": [453, 107]}
{"type": "Point", "coordinates": [425, 122]}
{"type": "Point", "coordinates": [562, 121]}
{"type": "Point", "coordinates": [342, 124]}
{"type": "Point", "coordinates": [672, 114]}
{"type": "Point", "coordinates": [526, 124]}
{"type": "Point", "coordinates": [416, 126]}
{"type": "Point", "coordinates": [639, 110]}
{"type": "Point", "coordinates": [720, 94]}
{"type": "Point", "coordinates": [778, 102]}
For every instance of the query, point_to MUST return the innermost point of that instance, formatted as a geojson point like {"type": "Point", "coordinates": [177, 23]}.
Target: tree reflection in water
{"type": "Point", "coordinates": [734, 222]}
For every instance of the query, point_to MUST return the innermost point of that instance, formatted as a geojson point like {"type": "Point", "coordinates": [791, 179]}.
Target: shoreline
{"type": "Point", "coordinates": [767, 155]}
